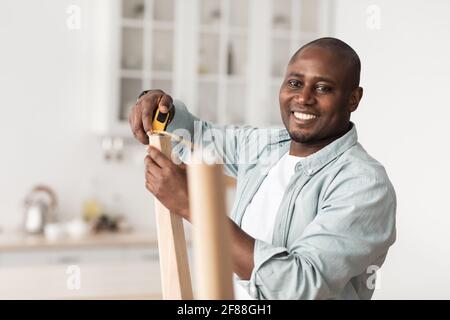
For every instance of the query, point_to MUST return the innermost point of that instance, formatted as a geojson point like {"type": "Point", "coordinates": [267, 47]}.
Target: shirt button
{"type": "Point", "coordinates": [252, 289]}
{"type": "Point", "coordinates": [310, 171]}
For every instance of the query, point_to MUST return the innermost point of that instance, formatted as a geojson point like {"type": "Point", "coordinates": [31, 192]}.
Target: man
{"type": "Point", "coordinates": [314, 214]}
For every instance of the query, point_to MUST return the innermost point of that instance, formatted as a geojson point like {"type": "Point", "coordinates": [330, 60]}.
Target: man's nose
{"type": "Point", "coordinates": [304, 96]}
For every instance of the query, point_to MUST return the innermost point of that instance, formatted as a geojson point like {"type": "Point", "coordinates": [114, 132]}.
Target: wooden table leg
{"type": "Point", "coordinates": [211, 232]}
{"type": "Point", "coordinates": [173, 258]}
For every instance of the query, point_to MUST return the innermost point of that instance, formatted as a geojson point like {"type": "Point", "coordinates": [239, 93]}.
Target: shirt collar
{"type": "Point", "coordinates": [316, 161]}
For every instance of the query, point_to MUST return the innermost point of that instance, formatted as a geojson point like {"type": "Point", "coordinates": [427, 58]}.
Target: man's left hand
{"type": "Point", "coordinates": [167, 181]}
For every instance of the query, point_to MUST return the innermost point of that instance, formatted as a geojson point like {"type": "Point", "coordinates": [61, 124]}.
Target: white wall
{"type": "Point", "coordinates": [403, 121]}
{"type": "Point", "coordinates": [45, 134]}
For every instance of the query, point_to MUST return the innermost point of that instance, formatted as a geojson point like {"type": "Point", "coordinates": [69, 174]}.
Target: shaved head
{"type": "Point", "coordinates": [344, 53]}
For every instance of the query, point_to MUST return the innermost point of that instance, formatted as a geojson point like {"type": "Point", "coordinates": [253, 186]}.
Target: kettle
{"type": "Point", "coordinates": [40, 207]}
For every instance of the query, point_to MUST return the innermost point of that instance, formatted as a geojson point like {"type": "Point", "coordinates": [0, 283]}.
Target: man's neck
{"type": "Point", "coordinates": [305, 149]}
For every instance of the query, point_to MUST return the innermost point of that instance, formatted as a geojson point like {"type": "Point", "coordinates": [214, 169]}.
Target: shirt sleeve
{"type": "Point", "coordinates": [224, 142]}
{"type": "Point", "coordinates": [354, 227]}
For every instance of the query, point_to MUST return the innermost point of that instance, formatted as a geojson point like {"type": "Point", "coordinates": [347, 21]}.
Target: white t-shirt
{"type": "Point", "coordinates": [259, 217]}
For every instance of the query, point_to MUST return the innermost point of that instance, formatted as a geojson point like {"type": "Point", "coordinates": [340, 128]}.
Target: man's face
{"type": "Point", "coordinates": [315, 97]}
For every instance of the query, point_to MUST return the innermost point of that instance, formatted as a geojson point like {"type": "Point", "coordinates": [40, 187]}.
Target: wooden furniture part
{"type": "Point", "coordinates": [174, 264]}
{"type": "Point", "coordinates": [211, 232]}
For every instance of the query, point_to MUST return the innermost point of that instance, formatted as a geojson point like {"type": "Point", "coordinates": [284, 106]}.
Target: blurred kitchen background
{"type": "Point", "coordinates": [75, 218]}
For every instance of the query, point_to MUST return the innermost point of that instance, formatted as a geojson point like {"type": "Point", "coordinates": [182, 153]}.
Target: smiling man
{"type": "Point", "coordinates": [314, 214]}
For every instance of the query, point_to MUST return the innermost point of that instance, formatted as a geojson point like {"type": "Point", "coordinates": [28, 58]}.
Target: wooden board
{"type": "Point", "coordinates": [173, 258]}
{"type": "Point", "coordinates": [211, 232]}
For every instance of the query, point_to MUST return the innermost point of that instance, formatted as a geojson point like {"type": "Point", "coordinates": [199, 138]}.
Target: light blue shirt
{"type": "Point", "coordinates": [335, 223]}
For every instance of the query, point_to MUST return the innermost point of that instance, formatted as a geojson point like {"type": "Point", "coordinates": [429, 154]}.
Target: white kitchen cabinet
{"type": "Point", "coordinates": [64, 257]}
{"type": "Point", "coordinates": [224, 58]}
{"type": "Point", "coordinates": [120, 272]}
{"type": "Point", "coordinates": [124, 61]}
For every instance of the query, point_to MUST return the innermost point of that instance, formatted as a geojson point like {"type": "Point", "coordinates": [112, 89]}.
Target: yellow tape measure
{"type": "Point", "coordinates": [160, 121]}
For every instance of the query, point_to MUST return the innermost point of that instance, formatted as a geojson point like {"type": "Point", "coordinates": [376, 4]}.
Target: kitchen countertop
{"type": "Point", "coordinates": [15, 241]}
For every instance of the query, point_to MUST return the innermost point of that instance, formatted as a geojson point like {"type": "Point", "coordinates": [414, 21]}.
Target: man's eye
{"type": "Point", "coordinates": [323, 89]}
{"type": "Point", "coordinates": [294, 83]}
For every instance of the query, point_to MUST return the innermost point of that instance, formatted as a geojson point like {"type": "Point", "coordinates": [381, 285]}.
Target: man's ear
{"type": "Point", "coordinates": [355, 98]}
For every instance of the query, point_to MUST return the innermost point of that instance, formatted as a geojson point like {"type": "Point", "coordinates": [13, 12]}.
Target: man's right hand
{"type": "Point", "coordinates": [141, 115]}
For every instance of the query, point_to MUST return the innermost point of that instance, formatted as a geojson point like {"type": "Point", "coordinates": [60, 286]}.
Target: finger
{"type": "Point", "coordinates": [150, 92]}
{"type": "Point", "coordinates": [152, 168]}
{"type": "Point", "coordinates": [149, 105]}
{"type": "Point", "coordinates": [150, 178]}
{"type": "Point", "coordinates": [159, 158]}
{"type": "Point", "coordinates": [171, 114]}
{"type": "Point", "coordinates": [153, 187]}
{"type": "Point", "coordinates": [171, 108]}
{"type": "Point", "coordinates": [138, 129]}
{"type": "Point", "coordinates": [152, 171]}
{"type": "Point", "coordinates": [149, 171]}
{"type": "Point", "coordinates": [165, 103]}
{"type": "Point", "coordinates": [150, 187]}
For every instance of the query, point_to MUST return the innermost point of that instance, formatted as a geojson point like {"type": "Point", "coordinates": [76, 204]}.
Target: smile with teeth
{"type": "Point", "coordinates": [303, 116]}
